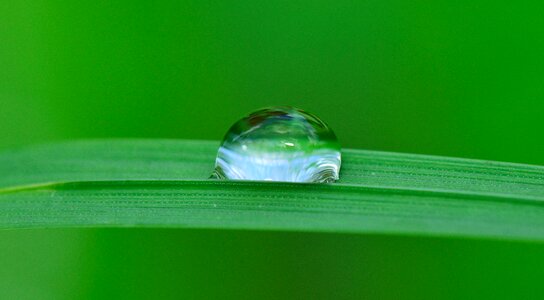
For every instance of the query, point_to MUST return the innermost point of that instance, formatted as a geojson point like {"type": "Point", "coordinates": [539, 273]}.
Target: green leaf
{"type": "Point", "coordinates": [163, 183]}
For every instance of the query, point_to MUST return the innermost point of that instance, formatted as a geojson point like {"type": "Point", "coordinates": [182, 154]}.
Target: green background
{"type": "Point", "coordinates": [456, 78]}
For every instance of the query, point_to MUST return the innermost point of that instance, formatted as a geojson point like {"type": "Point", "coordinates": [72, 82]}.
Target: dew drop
{"type": "Point", "coordinates": [279, 144]}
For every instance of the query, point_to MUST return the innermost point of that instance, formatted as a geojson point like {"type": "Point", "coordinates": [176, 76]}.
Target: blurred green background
{"type": "Point", "coordinates": [457, 78]}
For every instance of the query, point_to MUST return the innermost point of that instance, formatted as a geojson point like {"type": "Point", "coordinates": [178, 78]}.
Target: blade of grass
{"type": "Point", "coordinates": [163, 183]}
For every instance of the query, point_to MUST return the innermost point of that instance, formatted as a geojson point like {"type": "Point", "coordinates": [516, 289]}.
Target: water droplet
{"type": "Point", "coordinates": [279, 144]}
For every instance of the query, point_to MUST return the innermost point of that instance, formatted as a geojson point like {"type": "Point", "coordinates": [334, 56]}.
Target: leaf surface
{"type": "Point", "coordinates": [164, 183]}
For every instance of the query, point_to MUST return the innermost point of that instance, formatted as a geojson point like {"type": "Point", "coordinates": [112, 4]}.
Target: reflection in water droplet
{"type": "Point", "coordinates": [279, 144]}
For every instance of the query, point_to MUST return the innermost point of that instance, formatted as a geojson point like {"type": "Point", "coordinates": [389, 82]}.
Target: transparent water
{"type": "Point", "coordinates": [279, 144]}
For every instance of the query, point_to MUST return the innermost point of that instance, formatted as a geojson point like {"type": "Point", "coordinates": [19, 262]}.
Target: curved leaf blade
{"type": "Point", "coordinates": [162, 183]}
